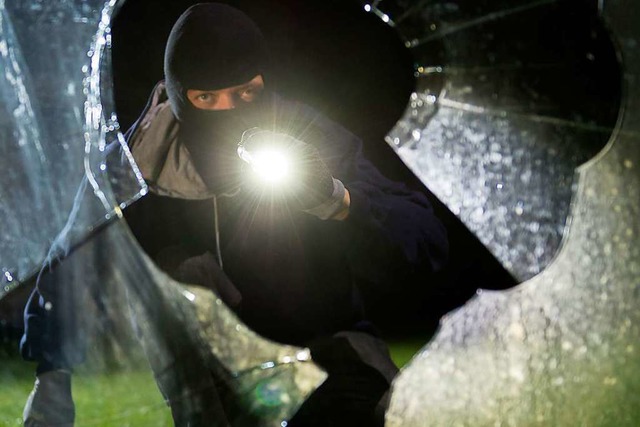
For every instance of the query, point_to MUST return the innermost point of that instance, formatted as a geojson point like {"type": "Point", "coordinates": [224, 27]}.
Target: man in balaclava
{"type": "Point", "coordinates": [212, 48]}
{"type": "Point", "coordinates": [218, 82]}
{"type": "Point", "coordinates": [287, 260]}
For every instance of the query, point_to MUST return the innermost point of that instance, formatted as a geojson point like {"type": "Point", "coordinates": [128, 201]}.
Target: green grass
{"type": "Point", "coordinates": [16, 381]}
{"type": "Point", "coordinates": [403, 350]}
{"type": "Point", "coordinates": [122, 398]}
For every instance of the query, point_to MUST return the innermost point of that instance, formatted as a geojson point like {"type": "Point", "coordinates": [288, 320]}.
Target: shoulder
{"type": "Point", "coordinates": [157, 110]}
{"type": "Point", "coordinates": [165, 163]}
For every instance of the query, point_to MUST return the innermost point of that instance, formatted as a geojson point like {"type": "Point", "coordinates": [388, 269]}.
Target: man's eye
{"type": "Point", "coordinates": [204, 97]}
{"type": "Point", "coordinates": [249, 94]}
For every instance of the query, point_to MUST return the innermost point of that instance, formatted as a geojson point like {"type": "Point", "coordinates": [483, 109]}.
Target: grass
{"type": "Point", "coordinates": [403, 350]}
{"type": "Point", "coordinates": [16, 380]}
{"type": "Point", "coordinates": [122, 398]}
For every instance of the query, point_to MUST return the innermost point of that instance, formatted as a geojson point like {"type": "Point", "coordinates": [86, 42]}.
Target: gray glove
{"type": "Point", "coordinates": [308, 185]}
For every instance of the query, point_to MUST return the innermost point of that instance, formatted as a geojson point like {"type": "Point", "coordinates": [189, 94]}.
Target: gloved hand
{"type": "Point", "coordinates": [203, 270]}
{"type": "Point", "coordinates": [291, 169]}
{"type": "Point", "coordinates": [200, 270]}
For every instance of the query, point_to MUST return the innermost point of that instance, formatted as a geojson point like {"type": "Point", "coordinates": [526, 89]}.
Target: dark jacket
{"type": "Point", "coordinates": [296, 277]}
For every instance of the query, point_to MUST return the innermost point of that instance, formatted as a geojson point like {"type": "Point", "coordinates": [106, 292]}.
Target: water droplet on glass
{"type": "Point", "coordinates": [303, 355]}
{"type": "Point", "coordinates": [519, 208]}
{"type": "Point", "coordinates": [267, 365]}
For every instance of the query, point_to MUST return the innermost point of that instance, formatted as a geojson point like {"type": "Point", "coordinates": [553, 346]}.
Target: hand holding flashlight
{"type": "Point", "coordinates": [292, 169]}
{"type": "Point", "coordinates": [267, 153]}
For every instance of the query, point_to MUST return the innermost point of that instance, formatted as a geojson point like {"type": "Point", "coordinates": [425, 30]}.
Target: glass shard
{"type": "Point", "coordinates": [56, 128]}
{"type": "Point", "coordinates": [561, 348]}
{"type": "Point", "coordinates": [512, 96]}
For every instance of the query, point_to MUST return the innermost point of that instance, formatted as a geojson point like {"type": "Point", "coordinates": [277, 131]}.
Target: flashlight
{"type": "Point", "coordinates": [266, 155]}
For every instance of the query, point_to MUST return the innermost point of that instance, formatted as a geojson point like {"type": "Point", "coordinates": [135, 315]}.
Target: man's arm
{"type": "Point", "coordinates": [391, 229]}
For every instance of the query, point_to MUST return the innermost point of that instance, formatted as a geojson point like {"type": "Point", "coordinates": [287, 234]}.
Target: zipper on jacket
{"type": "Point", "coordinates": [216, 223]}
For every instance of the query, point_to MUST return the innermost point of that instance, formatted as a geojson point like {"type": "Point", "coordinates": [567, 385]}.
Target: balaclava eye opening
{"type": "Point", "coordinates": [215, 46]}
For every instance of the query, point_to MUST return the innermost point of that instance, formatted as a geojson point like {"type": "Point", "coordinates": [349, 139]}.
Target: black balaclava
{"type": "Point", "coordinates": [215, 46]}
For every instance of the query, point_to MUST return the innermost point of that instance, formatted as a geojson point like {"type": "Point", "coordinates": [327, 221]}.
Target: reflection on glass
{"type": "Point", "coordinates": [55, 131]}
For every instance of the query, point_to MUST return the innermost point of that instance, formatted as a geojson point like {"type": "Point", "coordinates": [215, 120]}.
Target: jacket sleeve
{"type": "Point", "coordinates": [392, 231]}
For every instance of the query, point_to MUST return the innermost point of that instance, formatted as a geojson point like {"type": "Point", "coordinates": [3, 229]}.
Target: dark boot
{"type": "Point", "coordinates": [50, 403]}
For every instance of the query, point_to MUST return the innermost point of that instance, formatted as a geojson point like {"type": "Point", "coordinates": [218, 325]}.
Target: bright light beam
{"type": "Point", "coordinates": [271, 165]}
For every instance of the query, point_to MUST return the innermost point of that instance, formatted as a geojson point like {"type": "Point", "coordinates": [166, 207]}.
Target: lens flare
{"type": "Point", "coordinates": [271, 165]}
{"type": "Point", "coordinates": [269, 156]}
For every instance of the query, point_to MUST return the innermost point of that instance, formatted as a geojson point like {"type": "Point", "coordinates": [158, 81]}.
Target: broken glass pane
{"type": "Point", "coordinates": [511, 97]}
{"type": "Point", "coordinates": [55, 130]}
{"type": "Point", "coordinates": [561, 348]}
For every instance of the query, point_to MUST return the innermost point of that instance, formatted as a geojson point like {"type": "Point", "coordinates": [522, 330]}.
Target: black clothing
{"type": "Point", "coordinates": [212, 138]}
{"type": "Point", "coordinates": [298, 275]}
{"type": "Point", "coordinates": [211, 46]}
{"type": "Point", "coordinates": [290, 276]}
{"type": "Point", "coordinates": [356, 392]}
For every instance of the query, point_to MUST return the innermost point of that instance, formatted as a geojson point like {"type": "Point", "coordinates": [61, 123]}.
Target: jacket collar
{"type": "Point", "coordinates": [164, 161]}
